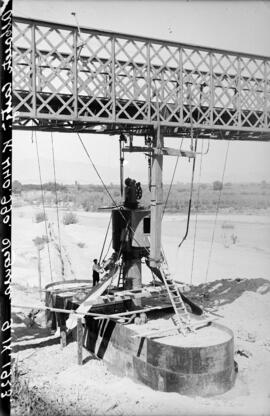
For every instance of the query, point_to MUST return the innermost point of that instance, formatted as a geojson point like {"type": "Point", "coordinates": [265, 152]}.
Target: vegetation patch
{"type": "Point", "coordinates": [26, 400]}
{"type": "Point", "coordinates": [81, 245]}
{"type": "Point", "coordinates": [235, 197]}
{"type": "Point", "coordinates": [70, 218]}
{"type": "Point", "coordinates": [40, 216]}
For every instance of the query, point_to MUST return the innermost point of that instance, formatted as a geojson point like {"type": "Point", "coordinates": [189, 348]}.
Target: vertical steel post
{"type": "Point", "coordinates": [238, 91]}
{"type": "Point", "coordinates": [212, 89]}
{"type": "Point", "coordinates": [34, 76]}
{"type": "Point", "coordinates": [265, 113]}
{"type": "Point", "coordinates": [156, 198]}
{"type": "Point", "coordinates": [121, 167]}
{"type": "Point", "coordinates": [75, 74]}
{"type": "Point", "coordinates": [149, 84]}
{"type": "Point", "coordinates": [113, 90]}
{"type": "Point", "coordinates": [180, 94]}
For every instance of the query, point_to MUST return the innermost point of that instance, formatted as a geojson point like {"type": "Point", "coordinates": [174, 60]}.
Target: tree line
{"type": "Point", "coordinates": [234, 197]}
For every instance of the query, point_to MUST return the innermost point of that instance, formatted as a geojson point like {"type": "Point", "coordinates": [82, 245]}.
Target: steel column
{"type": "Point", "coordinates": [156, 198]}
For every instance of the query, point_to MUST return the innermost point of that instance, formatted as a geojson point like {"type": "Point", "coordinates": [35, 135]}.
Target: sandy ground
{"type": "Point", "coordinates": [238, 289]}
{"type": "Point", "coordinates": [81, 242]}
{"type": "Point", "coordinates": [92, 390]}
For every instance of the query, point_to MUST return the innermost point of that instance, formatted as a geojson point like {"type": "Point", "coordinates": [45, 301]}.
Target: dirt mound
{"type": "Point", "coordinates": [223, 291]}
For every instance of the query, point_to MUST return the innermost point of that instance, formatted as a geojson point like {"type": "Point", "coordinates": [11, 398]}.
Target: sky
{"type": "Point", "coordinates": [234, 25]}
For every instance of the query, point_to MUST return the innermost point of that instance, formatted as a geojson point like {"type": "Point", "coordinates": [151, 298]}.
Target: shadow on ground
{"type": "Point", "coordinates": [226, 291]}
{"type": "Point", "coordinates": [26, 336]}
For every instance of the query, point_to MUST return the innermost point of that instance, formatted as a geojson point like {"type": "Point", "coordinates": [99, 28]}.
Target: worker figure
{"type": "Point", "coordinates": [131, 191]}
{"type": "Point", "coordinates": [96, 270]}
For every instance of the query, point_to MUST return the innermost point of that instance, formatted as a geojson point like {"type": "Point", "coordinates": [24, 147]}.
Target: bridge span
{"type": "Point", "coordinates": [87, 80]}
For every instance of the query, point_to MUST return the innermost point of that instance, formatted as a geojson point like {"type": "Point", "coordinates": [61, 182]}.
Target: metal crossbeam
{"type": "Point", "coordinates": [69, 81]}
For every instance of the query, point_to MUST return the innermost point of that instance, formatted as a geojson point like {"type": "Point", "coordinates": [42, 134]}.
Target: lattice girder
{"type": "Point", "coordinates": [64, 79]}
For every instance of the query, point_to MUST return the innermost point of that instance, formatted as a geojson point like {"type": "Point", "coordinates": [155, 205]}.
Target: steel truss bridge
{"type": "Point", "coordinates": [86, 80]}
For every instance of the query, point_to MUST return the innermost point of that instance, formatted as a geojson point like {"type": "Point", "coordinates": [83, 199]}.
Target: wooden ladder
{"type": "Point", "coordinates": [181, 318]}
{"type": "Point", "coordinates": [120, 282]}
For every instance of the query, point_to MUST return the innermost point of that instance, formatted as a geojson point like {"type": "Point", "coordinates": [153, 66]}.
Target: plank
{"type": "Point", "coordinates": [80, 341]}
{"type": "Point", "coordinates": [60, 310]}
{"type": "Point", "coordinates": [121, 314]}
{"type": "Point", "coordinates": [87, 304]}
{"type": "Point", "coordinates": [193, 325]}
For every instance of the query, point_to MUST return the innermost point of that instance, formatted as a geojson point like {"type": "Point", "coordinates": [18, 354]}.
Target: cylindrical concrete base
{"type": "Point", "coordinates": [202, 369]}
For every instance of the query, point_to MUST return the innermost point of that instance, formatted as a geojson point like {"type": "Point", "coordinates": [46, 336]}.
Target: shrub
{"type": "Point", "coordinates": [38, 241]}
{"type": "Point", "coordinates": [70, 218]}
{"type": "Point", "coordinates": [86, 204]}
{"type": "Point", "coordinates": [17, 203]}
{"type": "Point", "coordinates": [45, 239]}
{"type": "Point", "coordinates": [217, 186]}
{"type": "Point", "coordinates": [16, 187]}
{"type": "Point", "coordinates": [40, 216]}
{"type": "Point", "coordinates": [26, 400]}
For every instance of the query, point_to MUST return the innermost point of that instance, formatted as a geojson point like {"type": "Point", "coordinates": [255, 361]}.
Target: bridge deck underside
{"type": "Point", "coordinates": [46, 121]}
{"type": "Point", "coordinates": [69, 81]}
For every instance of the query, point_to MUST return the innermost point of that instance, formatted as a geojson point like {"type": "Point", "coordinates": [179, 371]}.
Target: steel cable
{"type": "Point", "coordinates": [196, 217]}
{"type": "Point", "coordinates": [56, 201]}
{"type": "Point", "coordinates": [172, 179]}
{"type": "Point", "coordinates": [217, 209]}
{"type": "Point", "coordinates": [108, 192]}
{"type": "Point", "coordinates": [43, 205]}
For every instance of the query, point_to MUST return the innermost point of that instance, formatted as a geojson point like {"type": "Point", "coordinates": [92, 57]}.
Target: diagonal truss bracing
{"type": "Point", "coordinates": [68, 82]}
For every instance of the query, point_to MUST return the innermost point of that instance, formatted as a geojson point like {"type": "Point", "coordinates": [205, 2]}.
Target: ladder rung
{"type": "Point", "coordinates": [181, 315]}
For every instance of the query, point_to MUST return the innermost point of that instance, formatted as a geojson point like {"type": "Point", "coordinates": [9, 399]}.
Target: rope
{"type": "Point", "coordinates": [201, 153]}
{"type": "Point", "coordinates": [108, 249]}
{"type": "Point", "coordinates": [105, 239]}
{"type": "Point", "coordinates": [43, 205]}
{"type": "Point", "coordinates": [217, 209]}
{"type": "Point", "coordinates": [172, 179]}
{"type": "Point", "coordinates": [56, 200]}
{"type": "Point", "coordinates": [197, 209]}
{"type": "Point", "coordinates": [97, 172]}
{"type": "Point", "coordinates": [189, 98]}
{"type": "Point", "coordinates": [207, 150]}
{"type": "Point", "coordinates": [190, 198]}
{"type": "Point", "coordinates": [107, 190]}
